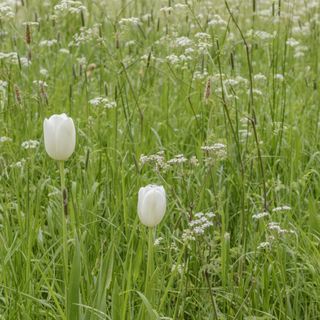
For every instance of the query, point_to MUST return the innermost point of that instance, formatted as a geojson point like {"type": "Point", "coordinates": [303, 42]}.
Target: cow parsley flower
{"type": "Point", "coordinates": [30, 144]}
{"type": "Point", "coordinates": [104, 102]}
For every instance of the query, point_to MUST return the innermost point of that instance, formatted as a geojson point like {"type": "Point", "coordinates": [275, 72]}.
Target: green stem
{"type": "Point", "coordinates": [148, 283]}
{"type": "Point", "coordinates": [148, 292]}
{"type": "Point", "coordinates": [64, 231]}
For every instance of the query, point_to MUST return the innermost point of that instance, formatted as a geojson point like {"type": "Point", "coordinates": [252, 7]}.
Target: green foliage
{"type": "Point", "coordinates": [218, 101]}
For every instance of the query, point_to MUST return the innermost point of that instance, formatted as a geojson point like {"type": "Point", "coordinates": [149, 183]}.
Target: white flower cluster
{"type": "Point", "coordinates": [200, 75]}
{"type": "Point", "coordinates": [183, 42]}
{"type": "Point", "coordinates": [277, 233]}
{"type": "Point", "coordinates": [260, 77]}
{"type": "Point", "coordinates": [160, 163]}
{"type": "Point", "coordinates": [157, 241]}
{"type": "Point", "coordinates": [178, 159]}
{"type": "Point", "coordinates": [18, 164]}
{"type": "Point", "coordinates": [103, 102]}
{"type": "Point", "coordinates": [219, 150]}
{"type": "Point", "coordinates": [275, 226]}
{"type": "Point", "coordinates": [5, 139]}
{"type": "Point", "coordinates": [291, 42]}
{"type": "Point", "coordinates": [261, 35]}
{"type": "Point", "coordinates": [158, 160]}
{"type": "Point", "coordinates": [264, 245]}
{"type": "Point", "coordinates": [30, 23]}
{"type": "Point", "coordinates": [65, 7]}
{"type": "Point", "coordinates": [25, 62]}
{"type": "Point", "coordinates": [180, 6]}
{"type": "Point", "coordinates": [281, 208]}
{"type": "Point", "coordinates": [3, 85]}
{"type": "Point", "coordinates": [10, 57]}
{"type": "Point", "coordinates": [134, 21]}
{"type": "Point", "coordinates": [40, 83]}
{"type": "Point", "coordinates": [176, 60]}
{"type": "Point", "coordinates": [85, 35]}
{"type": "Point", "coordinates": [44, 72]}
{"type": "Point", "coordinates": [233, 82]}
{"type": "Point", "coordinates": [48, 43]}
{"type": "Point", "coordinates": [179, 268]}
{"type": "Point", "coordinates": [260, 215]}
{"type": "Point", "coordinates": [279, 77]}
{"type": "Point", "coordinates": [166, 10]}
{"type": "Point", "coordinates": [216, 20]}
{"type": "Point", "coordinates": [30, 144]}
{"type": "Point", "coordinates": [203, 42]}
{"type": "Point", "coordinates": [64, 51]}
{"type": "Point", "coordinates": [198, 226]}
{"type": "Point", "coordinates": [6, 12]}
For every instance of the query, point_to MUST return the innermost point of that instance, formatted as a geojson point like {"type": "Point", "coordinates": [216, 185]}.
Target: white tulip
{"type": "Point", "coordinates": [59, 136]}
{"type": "Point", "coordinates": [151, 204]}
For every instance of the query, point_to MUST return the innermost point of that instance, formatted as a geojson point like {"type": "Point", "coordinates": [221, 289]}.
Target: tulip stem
{"type": "Point", "coordinates": [148, 283]}
{"type": "Point", "coordinates": [64, 229]}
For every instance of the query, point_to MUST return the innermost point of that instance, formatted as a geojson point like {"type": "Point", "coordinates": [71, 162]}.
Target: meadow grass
{"type": "Point", "coordinates": [218, 101]}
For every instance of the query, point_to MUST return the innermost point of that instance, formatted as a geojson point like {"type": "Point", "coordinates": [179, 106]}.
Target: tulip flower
{"type": "Point", "coordinates": [151, 205]}
{"type": "Point", "coordinates": [59, 136]}
{"type": "Point", "coordinates": [60, 141]}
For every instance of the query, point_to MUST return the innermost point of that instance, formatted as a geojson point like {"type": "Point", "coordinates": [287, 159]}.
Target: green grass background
{"type": "Point", "coordinates": [272, 162]}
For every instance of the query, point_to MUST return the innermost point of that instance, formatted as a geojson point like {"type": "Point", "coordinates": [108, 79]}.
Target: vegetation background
{"type": "Point", "coordinates": [218, 101]}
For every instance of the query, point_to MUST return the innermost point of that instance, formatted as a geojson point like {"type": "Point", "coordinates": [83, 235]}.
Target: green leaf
{"type": "Point", "coordinates": [153, 315]}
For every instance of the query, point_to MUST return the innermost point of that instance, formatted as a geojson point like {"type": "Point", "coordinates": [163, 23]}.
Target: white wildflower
{"type": "Point", "coordinates": [178, 159]}
{"type": "Point", "coordinates": [130, 21]}
{"type": "Point", "coordinates": [173, 59]}
{"type": "Point", "coordinates": [30, 144]}
{"type": "Point", "coordinates": [178, 268]}
{"type": "Point", "coordinates": [44, 72]}
{"type": "Point", "coordinates": [30, 23]}
{"type": "Point", "coordinates": [180, 6]}
{"type": "Point", "coordinates": [104, 102]}
{"type": "Point", "coordinates": [279, 77]}
{"type": "Point", "coordinates": [282, 208]}
{"type": "Point", "coordinates": [18, 164]}
{"type": "Point", "coordinates": [10, 57]}
{"type": "Point", "coordinates": [183, 42]}
{"type": "Point", "coordinates": [166, 10]}
{"type": "Point", "coordinates": [260, 77]}
{"type": "Point", "coordinates": [25, 62]}
{"type": "Point", "coordinates": [64, 50]}
{"type": "Point", "coordinates": [48, 43]}
{"type": "Point", "coordinates": [6, 12]}
{"type": "Point", "coordinates": [260, 215]}
{"type": "Point", "coordinates": [5, 139]}
{"type": "Point", "coordinates": [194, 161]}
{"type": "Point", "coordinates": [40, 83]}
{"type": "Point", "coordinates": [3, 85]}
{"type": "Point", "coordinates": [264, 245]}
{"type": "Point", "coordinates": [157, 241]}
{"type": "Point", "coordinates": [291, 42]}
{"type": "Point", "coordinates": [198, 226]}
{"type": "Point", "coordinates": [65, 7]}
{"type": "Point", "coordinates": [216, 20]}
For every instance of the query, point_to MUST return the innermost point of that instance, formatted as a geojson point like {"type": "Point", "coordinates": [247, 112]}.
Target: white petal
{"type": "Point", "coordinates": [56, 119]}
{"type": "Point", "coordinates": [65, 138]}
{"type": "Point", "coordinates": [153, 207]}
{"type": "Point", "coordinates": [49, 138]}
{"type": "Point", "coordinates": [141, 194]}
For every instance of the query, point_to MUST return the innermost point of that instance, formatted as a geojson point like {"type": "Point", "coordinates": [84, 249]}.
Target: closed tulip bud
{"type": "Point", "coordinates": [59, 136]}
{"type": "Point", "coordinates": [151, 205]}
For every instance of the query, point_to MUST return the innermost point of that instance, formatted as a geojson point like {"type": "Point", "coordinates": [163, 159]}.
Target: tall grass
{"type": "Point", "coordinates": [218, 101]}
